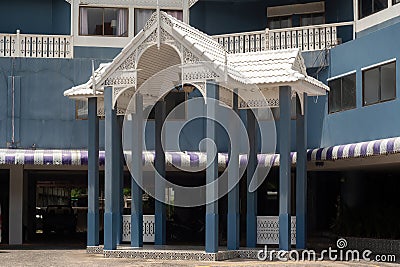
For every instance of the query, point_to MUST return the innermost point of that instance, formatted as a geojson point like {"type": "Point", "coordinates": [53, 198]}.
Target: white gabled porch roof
{"type": "Point", "coordinates": [266, 70]}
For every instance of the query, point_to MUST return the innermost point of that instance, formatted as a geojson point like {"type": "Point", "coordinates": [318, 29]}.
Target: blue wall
{"type": "Point", "coordinates": [363, 123]}
{"type": "Point", "coordinates": [35, 17]}
{"type": "Point", "coordinates": [47, 118]}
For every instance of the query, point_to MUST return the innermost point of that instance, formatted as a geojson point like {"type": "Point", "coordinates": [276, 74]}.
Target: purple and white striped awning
{"type": "Point", "coordinates": [356, 150]}
{"type": "Point", "coordinates": [199, 159]}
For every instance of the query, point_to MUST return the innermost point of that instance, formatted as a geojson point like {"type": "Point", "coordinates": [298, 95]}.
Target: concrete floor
{"type": "Point", "coordinates": [31, 256]}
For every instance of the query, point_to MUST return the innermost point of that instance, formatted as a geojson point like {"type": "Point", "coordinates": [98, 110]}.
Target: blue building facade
{"type": "Point", "coordinates": [362, 53]}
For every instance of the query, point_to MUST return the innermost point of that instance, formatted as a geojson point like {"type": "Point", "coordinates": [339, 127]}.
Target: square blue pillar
{"type": "Point", "coordinates": [120, 181]}
{"type": "Point", "coordinates": [233, 219]}
{"type": "Point", "coordinates": [301, 175]}
{"type": "Point", "coordinates": [137, 174]}
{"type": "Point", "coordinates": [251, 211]}
{"type": "Point", "coordinates": [285, 94]}
{"type": "Point", "coordinates": [93, 174]}
{"type": "Point", "coordinates": [159, 164]}
{"type": "Point", "coordinates": [212, 170]}
{"type": "Point", "coordinates": [111, 185]}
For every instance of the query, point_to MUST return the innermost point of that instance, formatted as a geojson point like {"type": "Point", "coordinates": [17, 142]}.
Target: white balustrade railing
{"type": "Point", "coordinates": [307, 38]}
{"type": "Point", "coordinates": [148, 228]}
{"type": "Point", "coordinates": [36, 46]}
{"type": "Point", "coordinates": [243, 42]}
{"type": "Point", "coordinates": [268, 230]}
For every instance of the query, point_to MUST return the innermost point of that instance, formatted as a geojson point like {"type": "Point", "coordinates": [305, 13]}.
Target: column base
{"type": "Point", "coordinates": [211, 232]}
{"type": "Point", "coordinates": [285, 231]}
{"type": "Point", "coordinates": [251, 230]}
{"type": "Point", "coordinates": [110, 231]}
{"type": "Point", "coordinates": [136, 230]}
{"type": "Point", "coordinates": [93, 229]}
{"type": "Point", "coordinates": [233, 231]}
{"type": "Point", "coordinates": [301, 232]}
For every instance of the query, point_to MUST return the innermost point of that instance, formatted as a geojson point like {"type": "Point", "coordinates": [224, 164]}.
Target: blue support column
{"type": "Point", "coordinates": [159, 162]}
{"type": "Point", "coordinates": [285, 168]}
{"type": "Point", "coordinates": [233, 177]}
{"type": "Point", "coordinates": [251, 211]}
{"type": "Point", "coordinates": [111, 174]}
{"type": "Point", "coordinates": [211, 172]}
{"type": "Point", "coordinates": [120, 179]}
{"type": "Point", "coordinates": [93, 174]}
{"type": "Point", "coordinates": [137, 175]}
{"type": "Point", "coordinates": [301, 175]}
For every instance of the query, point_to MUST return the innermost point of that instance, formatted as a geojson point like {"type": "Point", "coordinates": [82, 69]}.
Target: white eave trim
{"type": "Point", "coordinates": [379, 64]}
{"type": "Point", "coordinates": [341, 75]}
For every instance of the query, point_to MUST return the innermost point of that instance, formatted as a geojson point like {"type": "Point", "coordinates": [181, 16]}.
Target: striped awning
{"type": "Point", "coordinates": [356, 150]}
{"type": "Point", "coordinates": [199, 159]}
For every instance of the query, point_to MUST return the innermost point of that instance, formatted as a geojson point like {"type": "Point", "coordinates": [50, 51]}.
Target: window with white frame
{"type": "Point", "coordinates": [103, 21]}
{"type": "Point", "coordinates": [81, 109]}
{"type": "Point", "coordinates": [379, 83]}
{"type": "Point", "coordinates": [369, 7]}
{"type": "Point", "coordinates": [395, 2]}
{"type": "Point", "coordinates": [143, 15]}
{"type": "Point", "coordinates": [342, 94]}
{"type": "Point", "coordinates": [312, 19]}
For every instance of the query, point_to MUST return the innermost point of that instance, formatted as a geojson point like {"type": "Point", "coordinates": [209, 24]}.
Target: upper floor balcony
{"type": "Point", "coordinates": [306, 38]}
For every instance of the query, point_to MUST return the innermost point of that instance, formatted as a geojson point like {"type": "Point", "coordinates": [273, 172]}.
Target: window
{"type": "Point", "coordinates": [173, 101]}
{"type": "Point", "coordinates": [81, 109]}
{"type": "Point", "coordinates": [379, 84]}
{"type": "Point", "coordinates": [312, 19]}
{"type": "Point", "coordinates": [395, 2]}
{"type": "Point", "coordinates": [103, 21]}
{"type": "Point", "coordinates": [143, 15]}
{"type": "Point", "coordinates": [342, 94]}
{"type": "Point", "coordinates": [368, 7]}
{"type": "Point", "coordinates": [279, 22]}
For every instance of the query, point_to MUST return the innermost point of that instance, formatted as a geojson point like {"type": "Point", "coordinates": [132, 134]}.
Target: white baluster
{"type": "Point", "coordinates": [56, 47]}
{"type": "Point", "coordinates": [237, 46]}
{"type": "Point", "coordinates": [288, 39]}
{"type": "Point", "coordinates": [311, 39]}
{"type": "Point", "coordinates": [334, 36]}
{"type": "Point", "coordinates": [252, 49]}
{"type": "Point", "coordinates": [257, 42]}
{"type": "Point", "coordinates": [283, 38]}
{"type": "Point", "coordinates": [7, 46]}
{"type": "Point", "coordinates": [300, 40]}
{"type": "Point", "coordinates": [328, 37]}
{"type": "Point", "coordinates": [241, 44]}
{"type": "Point", "coordinates": [294, 39]}
{"type": "Point", "coordinates": [316, 38]}
{"type": "Point", "coordinates": [322, 38]}
{"type": "Point", "coordinates": [226, 43]}
{"type": "Point", "coordinates": [39, 51]}
{"type": "Point", "coordinates": [305, 40]}
{"type": "Point", "coordinates": [246, 44]}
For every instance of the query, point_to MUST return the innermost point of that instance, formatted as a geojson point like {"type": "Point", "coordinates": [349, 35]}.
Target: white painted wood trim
{"type": "Point", "coordinates": [377, 18]}
{"type": "Point", "coordinates": [378, 64]}
{"type": "Point", "coordinates": [341, 75]}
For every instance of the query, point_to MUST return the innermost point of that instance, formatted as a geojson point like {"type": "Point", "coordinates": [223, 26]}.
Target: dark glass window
{"type": "Point", "coordinates": [81, 109]}
{"type": "Point", "coordinates": [379, 84]}
{"type": "Point", "coordinates": [103, 21]}
{"type": "Point", "coordinates": [174, 109]}
{"type": "Point", "coordinates": [143, 15]}
{"type": "Point", "coordinates": [312, 19]}
{"type": "Point", "coordinates": [368, 7]}
{"type": "Point", "coordinates": [395, 2]}
{"type": "Point", "coordinates": [279, 22]}
{"type": "Point", "coordinates": [342, 94]}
